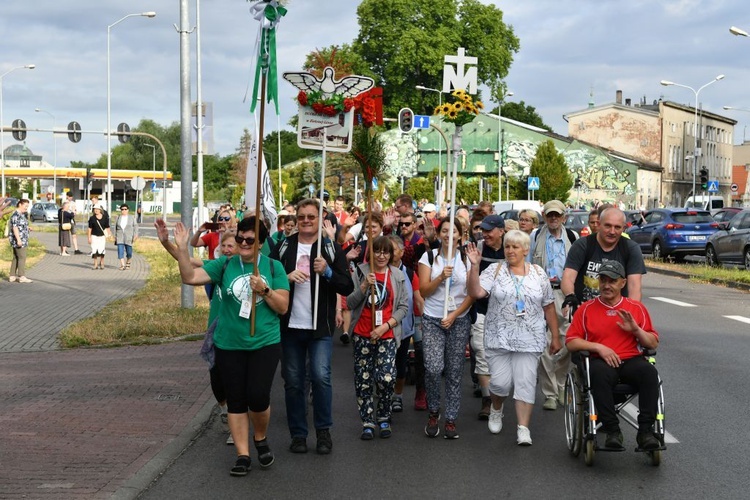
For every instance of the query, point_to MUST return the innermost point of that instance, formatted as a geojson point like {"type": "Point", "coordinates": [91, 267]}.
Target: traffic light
{"type": "Point", "coordinates": [704, 178]}
{"type": "Point", "coordinates": [74, 132]}
{"type": "Point", "coordinates": [123, 133]}
{"type": "Point", "coordinates": [578, 183]}
{"type": "Point", "coordinates": [89, 175]}
{"type": "Point", "coordinates": [19, 129]}
{"type": "Point", "coordinates": [405, 120]}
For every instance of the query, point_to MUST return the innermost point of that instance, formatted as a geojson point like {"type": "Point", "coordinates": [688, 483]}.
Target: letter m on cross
{"type": "Point", "coordinates": [460, 77]}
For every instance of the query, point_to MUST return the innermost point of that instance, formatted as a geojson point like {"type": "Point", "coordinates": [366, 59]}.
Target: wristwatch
{"type": "Point", "coordinates": [266, 291]}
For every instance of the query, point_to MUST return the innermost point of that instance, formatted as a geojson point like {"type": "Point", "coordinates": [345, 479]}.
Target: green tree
{"type": "Point", "coordinates": [521, 112]}
{"type": "Point", "coordinates": [554, 174]}
{"type": "Point", "coordinates": [290, 151]}
{"type": "Point", "coordinates": [404, 42]}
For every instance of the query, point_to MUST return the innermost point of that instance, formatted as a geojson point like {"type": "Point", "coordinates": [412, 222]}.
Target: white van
{"type": "Point", "coordinates": [711, 203]}
{"type": "Point", "coordinates": [509, 208]}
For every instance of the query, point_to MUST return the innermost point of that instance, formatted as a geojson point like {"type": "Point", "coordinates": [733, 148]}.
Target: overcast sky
{"type": "Point", "coordinates": [568, 49]}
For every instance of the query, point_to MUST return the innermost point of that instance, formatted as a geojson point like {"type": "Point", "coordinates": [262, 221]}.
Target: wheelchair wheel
{"type": "Point", "coordinates": [588, 455]}
{"type": "Point", "coordinates": [573, 414]}
{"type": "Point", "coordinates": [655, 457]}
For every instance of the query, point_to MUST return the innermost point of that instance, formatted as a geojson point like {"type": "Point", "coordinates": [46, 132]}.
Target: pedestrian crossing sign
{"type": "Point", "coordinates": [532, 184]}
{"type": "Point", "coordinates": [713, 186]}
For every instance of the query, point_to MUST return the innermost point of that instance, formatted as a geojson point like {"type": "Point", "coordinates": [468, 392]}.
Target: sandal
{"type": "Point", "coordinates": [265, 456]}
{"type": "Point", "coordinates": [367, 434]}
{"type": "Point", "coordinates": [122, 268]}
{"type": "Point", "coordinates": [385, 430]}
{"type": "Point", "coordinates": [241, 466]}
{"type": "Point", "coordinates": [127, 266]}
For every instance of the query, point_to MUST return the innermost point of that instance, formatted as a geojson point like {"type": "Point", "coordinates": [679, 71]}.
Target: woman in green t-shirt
{"type": "Point", "coordinates": [246, 355]}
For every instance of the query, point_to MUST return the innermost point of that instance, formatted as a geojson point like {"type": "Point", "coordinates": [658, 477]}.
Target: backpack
{"type": "Point", "coordinates": [623, 250]}
{"type": "Point", "coordinates": [328, 249]}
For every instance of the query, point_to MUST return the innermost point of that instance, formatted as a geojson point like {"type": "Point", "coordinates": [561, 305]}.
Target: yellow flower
{"type": "Point", "coordinates": [446, 108]}
{"type": "Point", "coordinates": [471, 109]}
{"type": "Point", "coordinates": [479, 105]}
{"type": "Point", "coordinates": [458, 106]}
{"type": "Point", "coordinates": [458, 93]}
{"type": "Point", "coordinates": [438, 110]}
{"type": "Point", "coordinates": [452, 114]}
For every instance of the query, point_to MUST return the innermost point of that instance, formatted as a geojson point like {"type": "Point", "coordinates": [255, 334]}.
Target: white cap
{"type": "Point", "coordinates": [429, 207]}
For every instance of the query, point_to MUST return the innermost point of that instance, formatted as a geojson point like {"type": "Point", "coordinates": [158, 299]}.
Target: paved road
{"type": "Point", "coordinates": [702, 360]}
{"type": "Point", "coordinates": [88, 423]}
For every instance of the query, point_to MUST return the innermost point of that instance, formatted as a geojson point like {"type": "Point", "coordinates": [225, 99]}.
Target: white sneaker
{"type": "Point", "coordinates": [24, 279]}
{"type": "Point", "coordinates": [12, 279]}
{"type": "Point", "coordinates": [550, 403]}
{"type": "Point", "coordinates": [524, 436]}
{"type": "Point", "coordinates": [495, 422]}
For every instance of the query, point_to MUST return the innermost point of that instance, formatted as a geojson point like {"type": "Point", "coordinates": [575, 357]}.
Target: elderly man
{"type": "Point", "coordinates": [615, 329]}
{"type": "Point", "coordinates": [550, 247]}
{"type": "Point", "coordinates": [580, 281]}
{"type": "Point", "coordinates": [491, 250]}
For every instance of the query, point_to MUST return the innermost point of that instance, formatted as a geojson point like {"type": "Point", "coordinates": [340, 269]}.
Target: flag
{"type": "Point", "coordinates": [267, 203]}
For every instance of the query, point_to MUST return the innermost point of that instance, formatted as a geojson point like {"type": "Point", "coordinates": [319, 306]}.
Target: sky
{"type": "Point", "coordinates": [569, 49]}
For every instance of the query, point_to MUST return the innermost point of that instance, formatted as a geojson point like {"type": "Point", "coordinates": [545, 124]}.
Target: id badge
{"type": "Point", "coordinates": [520, 308]}
{"type": "Point", "coordinates": [451, 303]}
{"type": "Point", "coordinates": [245, 309]}
{"type": "Point", "coordinates": [378, 318]}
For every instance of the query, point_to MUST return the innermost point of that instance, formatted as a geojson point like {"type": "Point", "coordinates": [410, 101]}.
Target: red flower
{"type": "Point", "coordinates": [302, 98]}
{"type": "Point", "coordinates": [317, 107]}
{"type": "Point", "coordinates": [329, 110]}
{"type": "Point", "coordinates": [348, 104]}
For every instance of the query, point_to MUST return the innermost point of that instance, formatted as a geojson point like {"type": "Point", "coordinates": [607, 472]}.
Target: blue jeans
{"type": "Point", "coordinates": [296, 346]}
{"type": "Point", "coordinates": [122, 249]}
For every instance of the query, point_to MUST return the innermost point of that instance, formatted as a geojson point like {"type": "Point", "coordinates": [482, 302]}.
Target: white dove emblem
{"type": "Point", "coordinates": [349, 86]}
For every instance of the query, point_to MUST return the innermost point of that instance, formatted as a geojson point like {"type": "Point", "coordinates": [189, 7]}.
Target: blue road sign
{"type": "Point", "coordinates": [421, 121]}
{"type": "Point", "coordinates": [713, 186]}
{"type": "Point", "coordinates": [532, 184]}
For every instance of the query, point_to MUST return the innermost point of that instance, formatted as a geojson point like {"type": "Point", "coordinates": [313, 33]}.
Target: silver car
{"type": "Point", "coordinates": [46, 212]}
{"type": "Point", "coordinates": [731, 243]}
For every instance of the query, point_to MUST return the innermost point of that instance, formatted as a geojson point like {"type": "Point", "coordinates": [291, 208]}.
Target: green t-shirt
{"type": "Point", "coordinates": [277, 238]}
{"type": "Point", "coordinates": [232, 331]}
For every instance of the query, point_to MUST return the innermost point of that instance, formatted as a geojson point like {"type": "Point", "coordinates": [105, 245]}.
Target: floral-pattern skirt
{"type": "Point", "coordinates": [374, 366]}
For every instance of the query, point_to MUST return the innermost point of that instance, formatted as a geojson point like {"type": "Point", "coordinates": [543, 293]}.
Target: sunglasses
{"type": "Point", "coordinates": [407, 224]}
{"type": "Point", "coordinates": [125, 209]}
{"type": "Point", "coordinates": [307, 217]}
{"type": "Point", "coordinates": [247, 241]}
{"type": "Point", "coordinates": [476, 228]}
{"type": "Point", "coordinates": [224, 218]}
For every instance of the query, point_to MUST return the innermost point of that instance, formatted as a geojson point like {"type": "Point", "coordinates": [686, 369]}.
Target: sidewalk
{"type": "Point", "coordinates": [88, 423]}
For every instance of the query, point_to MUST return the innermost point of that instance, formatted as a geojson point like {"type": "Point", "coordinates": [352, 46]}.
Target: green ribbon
{"type": "Point", "coordinates": [273, 13]}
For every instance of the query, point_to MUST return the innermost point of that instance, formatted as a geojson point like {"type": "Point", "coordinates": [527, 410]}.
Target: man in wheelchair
{"type": "Point", "coordinates": [615, 330]}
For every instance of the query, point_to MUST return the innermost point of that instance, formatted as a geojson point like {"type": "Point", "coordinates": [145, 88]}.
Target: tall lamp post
{"type": "Point", "coordinates": [696, 152]}
{"type": "Point", "coordinates": [153, 160]}
{"type": "Point", "coordinates": [2, 124]}
{"type": "Point", "coordinates": [108, 187]}
{"type": "Point", "coordinates": [440, 148]}
{"type": "Point", "coordinates": [500, 147]}
{"type": "Point", "coordinates": [746, 193]}
{"type": "Point", "coordinates": [54, 137]}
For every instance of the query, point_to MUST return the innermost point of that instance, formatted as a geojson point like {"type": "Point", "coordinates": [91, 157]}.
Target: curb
{"type": "Point", "coordinates": [714, 281]}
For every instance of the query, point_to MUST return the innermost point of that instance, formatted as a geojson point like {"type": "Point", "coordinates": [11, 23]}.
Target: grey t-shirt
{"type": "Point", "coordinates": [588, 271]}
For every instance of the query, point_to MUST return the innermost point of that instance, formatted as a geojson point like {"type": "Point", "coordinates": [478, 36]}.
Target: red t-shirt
{"type": "Point", "coordinates": [384, 303]}
{"type": "Point", "coordinates": [212, 241]}
{"type": "Point", "coordinates": [597, 322]}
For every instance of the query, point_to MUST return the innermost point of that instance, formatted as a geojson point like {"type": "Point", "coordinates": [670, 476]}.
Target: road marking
{"type": "Point", "coordinates": [632, 412]}
{"type": "Point", "coordinates": [673, 302]}
{"type": "Point", "coordinates": [739, 318]}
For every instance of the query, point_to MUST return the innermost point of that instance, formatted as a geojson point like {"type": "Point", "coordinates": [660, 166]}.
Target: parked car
{"type": "Point", "coordinates": [731, 243]}
{"type": "Point", "coordinates": [43, 211]}
{"type": "Point", "coordinates": [513, 214]}
{"type": "Point", "coordinates": [632, 217]}
{"type": "Point", "coordinates": [577, 220]}
{"type": "Point", "coordinates": [674, 232]}
{"type": "Point", "coordinates": [726, 214]}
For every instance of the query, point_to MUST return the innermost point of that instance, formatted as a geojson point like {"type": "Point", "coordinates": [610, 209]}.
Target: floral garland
{"type": "Point", "coordinates": [461, 110]}
{"type": "Point", "coordinates": [363, 104]}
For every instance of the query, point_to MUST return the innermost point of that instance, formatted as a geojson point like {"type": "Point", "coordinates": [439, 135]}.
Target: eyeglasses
{"type": "Point", "coordinates": [381, 252]}
{"type": "Point", "coordinates": [307, 217]}
{"type": "Point", "coordinates": [407, 224]}
{"type": "Point", "coordinates": [224, 218]}
{"type": "Point", "coordinates": [240, 240]}
{"type": "Point", "coordinates": [525, 220]}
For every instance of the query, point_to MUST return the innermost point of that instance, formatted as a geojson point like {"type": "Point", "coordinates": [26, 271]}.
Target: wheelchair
{"type": "Point", "coordinates": [581, 416]}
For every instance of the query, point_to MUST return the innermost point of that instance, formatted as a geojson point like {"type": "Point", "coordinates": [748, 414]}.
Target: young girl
{"type": "Point", "coordinates": [376, 338]}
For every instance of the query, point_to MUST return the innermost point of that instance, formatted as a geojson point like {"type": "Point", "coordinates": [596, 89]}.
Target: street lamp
{"type": "Point", "coordinates": [153, 147]}
{"type": "Point", "coordinates": [54, 167]}
{"type": "Point", "coordinates": [109, 99]}
{"type": "Point", "coordinates": [440, 148]}
{"type": "Point", "coordinates": [500, 144]}
{"type": "Point", "coordinates": [738, 31]}
{"type": "Point", "coordinates": [2, 125]}
{"type": "Point", "coordinates": [696, 151]}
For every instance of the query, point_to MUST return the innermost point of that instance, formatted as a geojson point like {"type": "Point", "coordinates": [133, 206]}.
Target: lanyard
{"type": "Point", "coordinates": [517, 283]}
{"type": "Point", "coordinates": [453, 264]}
{"type": "Point", "coordinates": [381, 294]}
{"type": "Point", "coordinates": [246, 276]}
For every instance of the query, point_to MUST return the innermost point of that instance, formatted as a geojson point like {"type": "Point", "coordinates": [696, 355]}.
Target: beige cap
{"type": "Point", "coordinates": [554, 206]}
